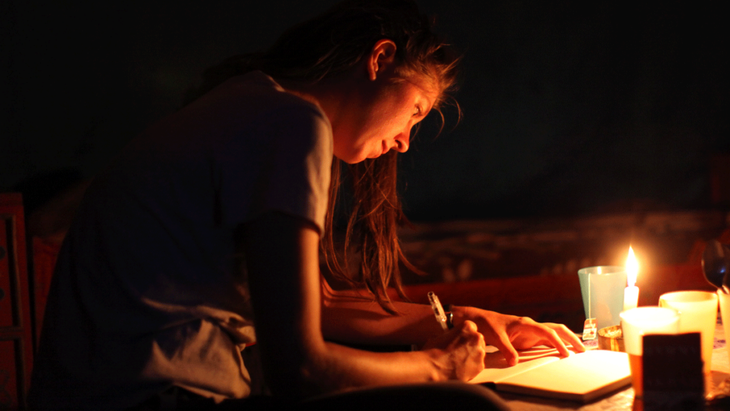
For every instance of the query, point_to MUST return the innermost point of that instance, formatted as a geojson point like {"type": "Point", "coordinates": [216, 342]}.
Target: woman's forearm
{"type": "Point", "coordinates": [349, 318]}
{"type": "Point", "coordinates": [342, 367]}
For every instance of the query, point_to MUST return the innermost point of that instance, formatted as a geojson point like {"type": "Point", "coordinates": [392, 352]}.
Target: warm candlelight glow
{"type": "Point", "coordinates": [632, 268]}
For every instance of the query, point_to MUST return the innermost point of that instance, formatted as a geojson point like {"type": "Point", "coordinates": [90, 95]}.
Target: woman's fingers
{"type": "Point", "coordinates": [460, 352]}
{"type": "Point", "coordinates": [472, 349]}
{"type": "Point", "coordinates": [557, 336]}
{"type": "Point", "coordinates": [569, 337]}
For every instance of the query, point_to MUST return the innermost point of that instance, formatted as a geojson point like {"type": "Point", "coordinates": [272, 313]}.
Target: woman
{"type": "Point", "coordinates": [146, 301]}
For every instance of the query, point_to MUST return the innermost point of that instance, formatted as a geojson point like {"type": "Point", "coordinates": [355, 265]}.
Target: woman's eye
{"type": "Point", "coordinates": [417, 112]}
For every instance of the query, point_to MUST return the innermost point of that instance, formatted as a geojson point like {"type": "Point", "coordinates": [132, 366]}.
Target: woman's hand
{"type": "Point", "coordinates": [510, 333]}
{"type": "Point", "coordinates": [459, 353]}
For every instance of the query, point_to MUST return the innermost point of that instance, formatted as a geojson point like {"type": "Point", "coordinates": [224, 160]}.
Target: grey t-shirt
{"type": "Point", "coordinates": [146, 292]}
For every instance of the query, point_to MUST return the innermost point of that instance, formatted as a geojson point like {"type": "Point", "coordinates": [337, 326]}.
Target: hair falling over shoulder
{"type": "Point", "coordinates": [370, 237]}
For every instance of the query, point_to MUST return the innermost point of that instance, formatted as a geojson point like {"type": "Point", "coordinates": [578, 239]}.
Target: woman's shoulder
{"type": "Point", "coordinates": [260, 97]}
{"type": "Point", "coordinates": [264, 86]}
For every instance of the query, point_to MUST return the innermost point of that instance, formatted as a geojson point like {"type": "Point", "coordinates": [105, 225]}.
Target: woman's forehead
{"type": "Point", "coordinates": [428, 85]}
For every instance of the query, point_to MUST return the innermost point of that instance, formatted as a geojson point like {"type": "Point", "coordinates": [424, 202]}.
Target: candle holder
{"type": "Point", "coordinates": [611, 338]}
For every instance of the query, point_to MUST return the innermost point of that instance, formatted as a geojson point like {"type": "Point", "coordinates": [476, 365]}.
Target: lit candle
{"type": "Point", "coordinates": [631, 293]}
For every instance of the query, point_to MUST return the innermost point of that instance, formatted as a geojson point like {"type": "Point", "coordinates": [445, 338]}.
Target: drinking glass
{"type": "Point", "coordinates": [697, 313]}
{"type": "Point", "coordinates": [602, 289]}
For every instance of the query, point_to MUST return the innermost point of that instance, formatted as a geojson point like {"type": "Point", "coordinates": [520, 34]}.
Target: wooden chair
{"type": "Point", "coordinates": [16, 324]}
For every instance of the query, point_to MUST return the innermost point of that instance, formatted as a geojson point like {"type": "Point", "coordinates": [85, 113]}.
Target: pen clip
{"type": "Point", "coordinates": [438, 310]}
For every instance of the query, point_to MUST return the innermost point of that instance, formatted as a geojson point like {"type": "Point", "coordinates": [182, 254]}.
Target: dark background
{"type": "Point", "coordinates": [569, 107]}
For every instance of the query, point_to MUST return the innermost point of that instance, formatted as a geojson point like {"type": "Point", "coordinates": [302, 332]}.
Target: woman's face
{"type": "Point", "coordinates": [384, 117]}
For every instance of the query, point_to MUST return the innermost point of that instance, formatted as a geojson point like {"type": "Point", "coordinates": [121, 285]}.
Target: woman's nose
{"type": "Point", "coordinates": [402, 141]}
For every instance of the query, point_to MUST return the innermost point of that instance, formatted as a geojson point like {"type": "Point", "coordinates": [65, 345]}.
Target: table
{"type": "Point", "coordinates": [624, 399]}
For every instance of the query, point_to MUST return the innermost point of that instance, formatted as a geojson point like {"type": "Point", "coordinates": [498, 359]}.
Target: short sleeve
{"type": "Point", "coordinates": [292, 165]}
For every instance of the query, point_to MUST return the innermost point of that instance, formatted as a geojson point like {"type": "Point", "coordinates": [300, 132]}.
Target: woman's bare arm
{"type": "Point", "coordinates": [350, 317]}
{"type": "Point", "coordinates": [284, 280]}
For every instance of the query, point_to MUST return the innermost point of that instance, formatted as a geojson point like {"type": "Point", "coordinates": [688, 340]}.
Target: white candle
{"type": "Point", "coordinates": [631, 293]}
{"type": "Point", "coordinates": [631, 297]}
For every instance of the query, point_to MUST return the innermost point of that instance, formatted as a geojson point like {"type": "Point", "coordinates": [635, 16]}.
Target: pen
{"type": "Point", "coordinates": [438, 310]}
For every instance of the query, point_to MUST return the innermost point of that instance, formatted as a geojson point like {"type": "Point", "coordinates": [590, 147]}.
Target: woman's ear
{"type": "Point", "coordinates": [381, 58]}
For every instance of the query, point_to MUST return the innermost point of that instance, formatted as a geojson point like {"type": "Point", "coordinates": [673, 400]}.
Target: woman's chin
{"type": "Point", "coordinates": [352, 159]}
{"type": "Point", "coordinates": [357, 157]}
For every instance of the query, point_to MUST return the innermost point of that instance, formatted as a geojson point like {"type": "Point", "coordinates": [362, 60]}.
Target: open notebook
{"type": "Point", "coordinates": [541, 372]}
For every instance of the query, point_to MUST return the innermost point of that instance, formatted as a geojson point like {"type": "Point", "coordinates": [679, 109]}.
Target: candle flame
{"type": "Point", "coordinates": [632, 268]}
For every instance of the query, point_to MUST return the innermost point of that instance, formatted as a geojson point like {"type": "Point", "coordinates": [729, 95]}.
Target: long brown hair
{"type": "Point", "coordinates": [325, 46]}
